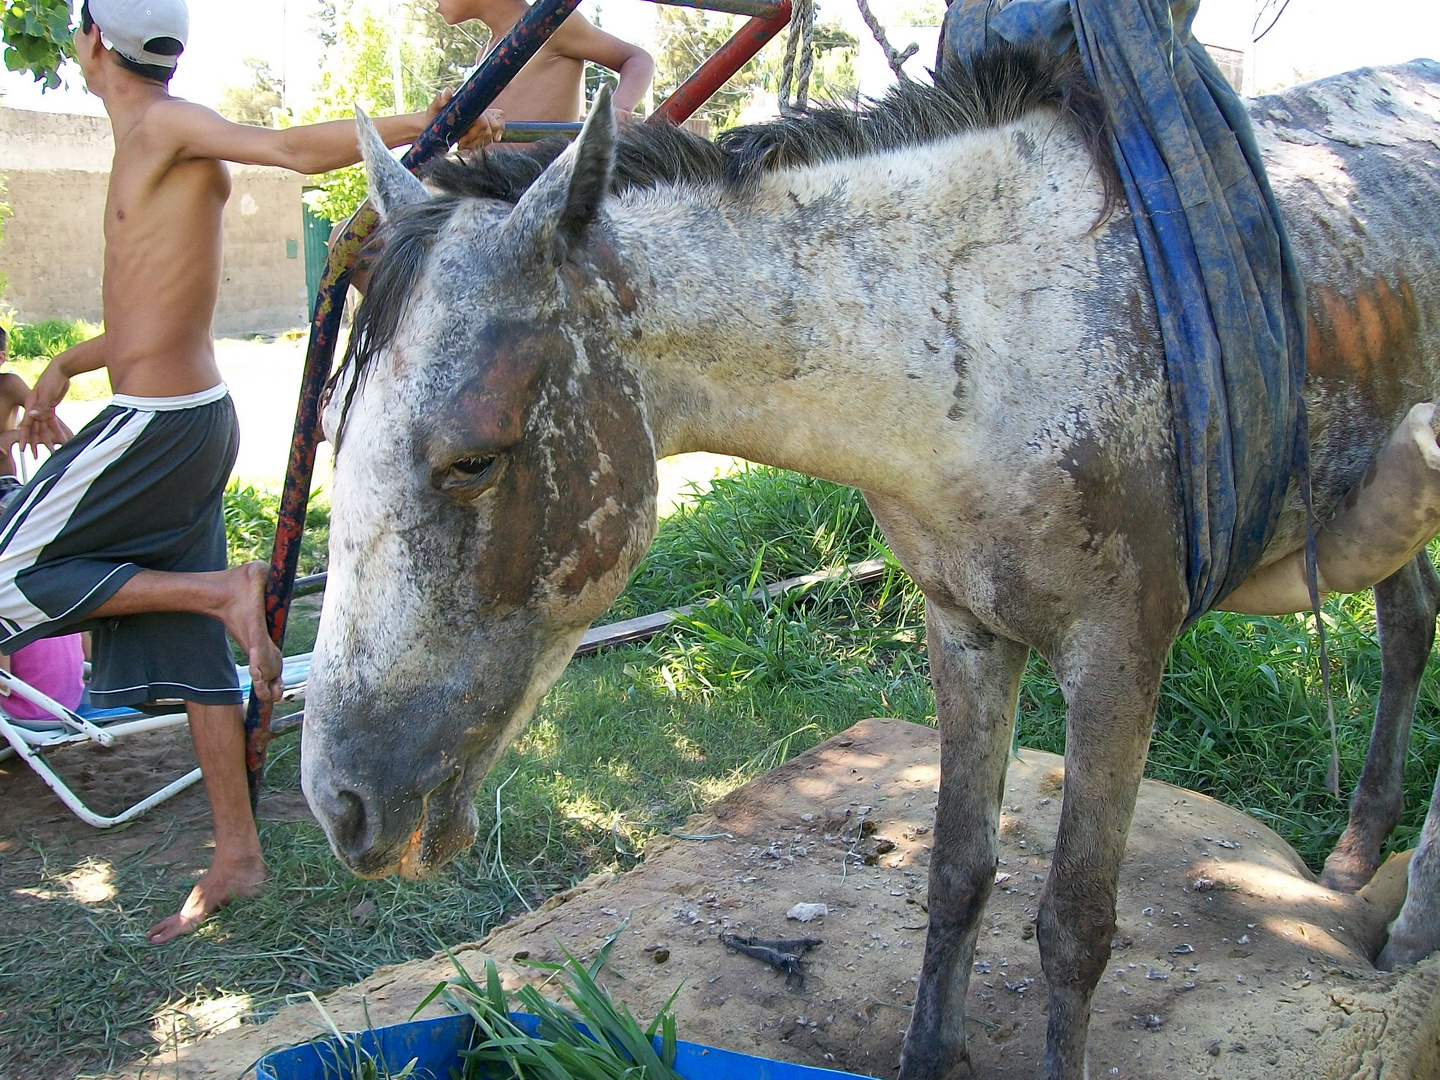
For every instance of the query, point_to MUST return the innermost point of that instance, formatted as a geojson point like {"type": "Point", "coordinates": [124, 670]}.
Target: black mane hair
{"type": "Point", "coordinates": [995, 87]}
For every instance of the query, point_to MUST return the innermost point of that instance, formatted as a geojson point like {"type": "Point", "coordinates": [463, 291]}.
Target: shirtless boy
{"type": "Point", "coordinates": [550, 86]}
{"type": "Point", "coordinates": [121, 530]}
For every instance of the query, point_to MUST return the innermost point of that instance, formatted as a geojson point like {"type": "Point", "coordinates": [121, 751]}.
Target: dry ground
{"type": "Point", "coordinates": [1230, 961]}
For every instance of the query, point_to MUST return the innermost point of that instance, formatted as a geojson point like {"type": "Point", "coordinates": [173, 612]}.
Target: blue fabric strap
{"type": "Point", "coordinates": [1229, 297]}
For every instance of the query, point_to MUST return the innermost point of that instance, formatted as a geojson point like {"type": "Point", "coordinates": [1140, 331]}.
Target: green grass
{"type": "Point", "coordinates": [42, 340]}
{"type": "Point", "coordinates": [32, 345]}
{"type": "Point", "coordinates": [250, 517]}
{"type": "Point", "coordinates": [632, 741]}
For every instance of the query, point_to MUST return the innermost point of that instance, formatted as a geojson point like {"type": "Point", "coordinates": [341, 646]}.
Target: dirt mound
{"type": "Point", "coordinates": [1230, 960]}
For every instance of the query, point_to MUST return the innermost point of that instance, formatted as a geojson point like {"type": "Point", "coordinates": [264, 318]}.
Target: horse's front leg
{"type": "Point", "coordinates": [1111, 694]}
{"type": "Point", "coordinates": [1405, 606]}
{"type": "Point", "coordinates": [977, 681]}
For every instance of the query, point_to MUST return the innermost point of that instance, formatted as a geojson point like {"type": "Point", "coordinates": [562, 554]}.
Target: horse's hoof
{"type": "Point", "coordinates": [1399, 954]}
{"type": "Point", "coordinates": [1346, 872]}
{"type": "Point", "coordinates": [934, 1063]}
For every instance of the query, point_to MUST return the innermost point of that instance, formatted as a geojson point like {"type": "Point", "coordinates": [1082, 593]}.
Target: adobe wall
{"type": "Point", "coordinates": [56, 167]}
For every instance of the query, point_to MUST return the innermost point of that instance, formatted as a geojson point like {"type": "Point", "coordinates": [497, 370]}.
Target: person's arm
{"type": "Point", "coordinates": [580, 39]}
{"type": "Point", "coordinates": [197, 132]}
{"type": "Point", "coordinates": [40, 426]}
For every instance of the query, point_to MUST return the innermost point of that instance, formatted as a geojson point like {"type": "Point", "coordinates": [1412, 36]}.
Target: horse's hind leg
{"type": "Point", "coordinates": [1405, 607]}
{"type": "Point", "coordinates": [1415, 933]}
{"type": "Point", "coordinates": [977, 681]}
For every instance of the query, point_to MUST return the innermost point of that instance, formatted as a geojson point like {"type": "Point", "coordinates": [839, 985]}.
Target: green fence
{"type": "Point", "coordinates": [317, 234]}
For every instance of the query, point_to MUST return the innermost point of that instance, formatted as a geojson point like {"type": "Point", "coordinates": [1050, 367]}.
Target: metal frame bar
{"type": "Point", "coordinates": [28, 744]}
{"type": "Point", "coordinates": [717, 71]}
{"type": "Point", "coordinates": [764, 9]}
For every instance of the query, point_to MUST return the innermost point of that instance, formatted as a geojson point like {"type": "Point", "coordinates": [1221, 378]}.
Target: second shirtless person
{"type": "Point", "coordinates": [121, 530]}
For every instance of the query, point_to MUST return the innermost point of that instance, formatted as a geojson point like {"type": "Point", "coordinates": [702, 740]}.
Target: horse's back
{"type": "Point", "coordinates": [1355, 164]}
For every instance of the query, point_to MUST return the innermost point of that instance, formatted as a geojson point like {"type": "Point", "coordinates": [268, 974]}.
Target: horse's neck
{"type": "Point", "coordinates": [833, 324]}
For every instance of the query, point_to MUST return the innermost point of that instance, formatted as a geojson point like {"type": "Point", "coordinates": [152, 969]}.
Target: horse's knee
{"type": "Point", "coordinates": [1074, 929]}
{"type": "Point", "coordinates": [960, 884]}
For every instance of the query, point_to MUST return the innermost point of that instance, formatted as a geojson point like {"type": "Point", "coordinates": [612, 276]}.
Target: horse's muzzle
{"type": "Point", "coordinates": [375, 836]}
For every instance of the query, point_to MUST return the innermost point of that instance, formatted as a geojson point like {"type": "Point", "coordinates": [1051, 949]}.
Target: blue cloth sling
{"type": "Point", "coordinates": [1230, 300]}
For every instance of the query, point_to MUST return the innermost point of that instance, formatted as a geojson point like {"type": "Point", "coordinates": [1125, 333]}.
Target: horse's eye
{"type": "Point", "coordinates": [468, 475]}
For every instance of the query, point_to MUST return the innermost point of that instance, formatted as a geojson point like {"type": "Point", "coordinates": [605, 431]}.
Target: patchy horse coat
{"type": "Point", "coordinates": [927, 302]}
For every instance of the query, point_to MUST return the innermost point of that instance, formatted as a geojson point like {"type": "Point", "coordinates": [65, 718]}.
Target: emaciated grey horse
{"type": "Point", "coordinates": [933, 301]}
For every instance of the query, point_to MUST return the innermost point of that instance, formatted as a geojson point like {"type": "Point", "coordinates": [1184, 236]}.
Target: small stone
{"type": "Point", "coordinates": [364, 911]}
{"type": "Point", "coordinates": [1182, 949]}
{"type": "Point", "coordinates": [807, 912]}
{"type": "Point", "coordinates": [1213, 1048]}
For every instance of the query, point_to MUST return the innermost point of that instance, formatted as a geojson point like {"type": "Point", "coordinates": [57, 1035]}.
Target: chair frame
{"type": "Point", "coordinates": [103, 727]}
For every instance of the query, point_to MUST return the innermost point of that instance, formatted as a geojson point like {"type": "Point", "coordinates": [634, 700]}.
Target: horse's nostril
{"type": "Point", "coordinates": [348, 821]}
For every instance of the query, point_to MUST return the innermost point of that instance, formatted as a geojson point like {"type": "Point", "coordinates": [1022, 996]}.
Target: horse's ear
{"type": "Point", "coordinates": [391, 184]}
{"type": "Point", "coordinates": [555, 211]}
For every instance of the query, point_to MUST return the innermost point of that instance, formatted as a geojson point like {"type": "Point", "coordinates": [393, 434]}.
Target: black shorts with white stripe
{"type": "Point", "coordinates": [141, 487]}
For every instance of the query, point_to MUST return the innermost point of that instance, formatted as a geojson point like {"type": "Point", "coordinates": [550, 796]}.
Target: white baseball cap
{"type": "Point", "coordinates": [136, 29]}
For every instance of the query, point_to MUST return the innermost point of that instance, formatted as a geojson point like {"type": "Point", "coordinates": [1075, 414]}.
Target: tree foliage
{"type": "Point", "coordinates": [38, 38]}
{"type": "Point", "coordinates": [256, 102]}
{"type": "Point", "coordinates": [688, 37]}
{"type": "Point", "coordinates": [357, 70]}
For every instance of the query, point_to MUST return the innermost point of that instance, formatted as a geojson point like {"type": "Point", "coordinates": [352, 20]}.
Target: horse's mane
{"type": "Point", "coordinates": [995, 87]}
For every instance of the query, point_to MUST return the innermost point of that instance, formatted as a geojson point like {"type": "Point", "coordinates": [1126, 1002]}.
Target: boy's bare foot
{"type": "Point", "coordinates": [244, 618]}
{"type": "Point", "coordinates": [217, 887]}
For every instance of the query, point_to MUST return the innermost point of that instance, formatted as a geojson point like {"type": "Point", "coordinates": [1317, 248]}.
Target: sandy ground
{"type": "Point", "coordinates": [1230, 961]}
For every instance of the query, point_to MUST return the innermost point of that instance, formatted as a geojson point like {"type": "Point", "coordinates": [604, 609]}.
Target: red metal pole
{"type": "Point", "coordinates": [717, 71]}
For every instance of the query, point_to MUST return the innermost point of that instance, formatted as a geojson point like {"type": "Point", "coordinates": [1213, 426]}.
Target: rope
{"type": "Point", "coordinates": [896, 60]}
{"type": "Point", "coordinates": [802, 16]}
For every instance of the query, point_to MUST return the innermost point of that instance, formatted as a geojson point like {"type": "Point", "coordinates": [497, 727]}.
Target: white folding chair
{"type": "Point", "coordinates": [31, 739]}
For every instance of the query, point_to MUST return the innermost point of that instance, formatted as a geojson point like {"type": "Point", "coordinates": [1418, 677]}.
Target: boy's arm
{"type": "Point", "coordinates": [582, 40]}
{"type": "Point", "coordinates": [13, 391]}
{"type": "Point", "coordinates": [198, 132]}
{"type": "Point", "coordinates": [40, 426]}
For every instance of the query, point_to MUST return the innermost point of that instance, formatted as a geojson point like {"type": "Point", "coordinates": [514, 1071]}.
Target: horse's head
{"type": "Point", "coordinates": [494, 487]}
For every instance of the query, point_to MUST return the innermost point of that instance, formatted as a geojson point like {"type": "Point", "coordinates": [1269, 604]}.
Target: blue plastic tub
{"type": "Point", "coordinates": [435, 1047]}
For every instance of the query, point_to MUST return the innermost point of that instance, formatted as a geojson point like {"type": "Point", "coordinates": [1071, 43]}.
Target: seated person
{"type": "Point", "coordinates": [54, 666]}
{"type": "Point", "coordinates": [13, 392]}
